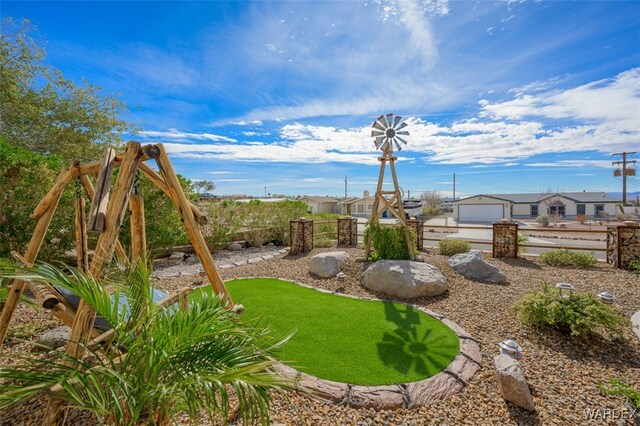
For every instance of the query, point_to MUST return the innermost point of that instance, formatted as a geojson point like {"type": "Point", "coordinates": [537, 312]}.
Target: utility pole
{"type": "Point", "coordinates": [408, 194]}
{"type": "Point", "coordinates": [265, 192]}
{"type": "Point", "coordinates": [454, 187]}
{"type": "Point", "coordinates": [624, 172]}
{"type": "Point", "coordinates": [345, 187]}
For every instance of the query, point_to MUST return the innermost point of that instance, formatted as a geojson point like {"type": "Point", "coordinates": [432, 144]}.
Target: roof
{"type": "Point", "coordinates": [354, 199]}
{"type": "Point", "coordinates": [580, 197]}
{"type": "Point", "coordinates": [321, 199]}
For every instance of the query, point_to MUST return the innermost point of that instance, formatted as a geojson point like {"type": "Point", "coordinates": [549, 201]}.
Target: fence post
{"type": "Point", "coordinates": [627, 247]}
{"type": "Point", "coordinates": [347, 231]}
{"type": "Point", "coordinates": [418, 227]}
{"type": "Point", "coordinates": [505, 239]}
{"type": "Point", "coordinates": [612, 245]}
{"type": "Point", "coordinates": [300, 236]}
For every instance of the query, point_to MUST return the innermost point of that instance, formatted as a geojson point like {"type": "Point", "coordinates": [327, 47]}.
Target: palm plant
{"type": "Point", "coordinates": [162, 362]}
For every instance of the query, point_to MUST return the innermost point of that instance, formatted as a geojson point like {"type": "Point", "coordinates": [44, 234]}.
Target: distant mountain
{"type": "Point", "coordinates": [630, 195]}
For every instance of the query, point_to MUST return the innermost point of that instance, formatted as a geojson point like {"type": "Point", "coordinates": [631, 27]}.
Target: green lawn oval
{"type": "Point", "coordinates": [347, 340]}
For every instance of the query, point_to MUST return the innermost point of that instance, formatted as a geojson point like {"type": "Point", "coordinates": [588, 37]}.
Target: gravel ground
{"type": "Point", "coordinates": [563, 372]}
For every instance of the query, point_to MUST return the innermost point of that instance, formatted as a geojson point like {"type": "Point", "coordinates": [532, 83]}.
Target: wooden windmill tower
{"type": "Point", "coordinates": [386, 133]}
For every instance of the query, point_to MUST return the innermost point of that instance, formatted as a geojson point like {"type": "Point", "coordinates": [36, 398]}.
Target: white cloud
{"type": "Point", "coordinates": [573, 163]}
{"type": "Point", "coordinates": [175, 134]}
{"type": "Point", "coordinates": [220, 172]}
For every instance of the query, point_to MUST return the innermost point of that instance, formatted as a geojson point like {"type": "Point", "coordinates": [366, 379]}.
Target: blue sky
{"type": "Point", "coordinates": [512, 96]}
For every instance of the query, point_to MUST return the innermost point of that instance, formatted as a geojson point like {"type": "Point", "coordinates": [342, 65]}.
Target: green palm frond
{"type": "Point", "coordinates": [191, 360]}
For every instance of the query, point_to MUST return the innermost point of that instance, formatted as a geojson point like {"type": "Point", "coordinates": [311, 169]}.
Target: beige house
{"type": "Point", "coordinates": [357, 207]}
{"type": "Point", "coordinates": [494, 207]}
{"type": "Point", "coordinates": [321, 204]}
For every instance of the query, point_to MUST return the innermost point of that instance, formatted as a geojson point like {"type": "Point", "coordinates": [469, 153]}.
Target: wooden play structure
{"type": "Point", "coordinates": [106, 216]}
{"type": "Point", "coordinates": [386, 133]}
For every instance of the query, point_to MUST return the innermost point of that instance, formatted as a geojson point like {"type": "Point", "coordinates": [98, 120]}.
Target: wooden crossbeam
{"type": "Point", "coordinates": [100, 199]}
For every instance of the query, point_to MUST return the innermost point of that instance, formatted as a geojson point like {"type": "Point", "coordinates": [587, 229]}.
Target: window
{"type": "Point", "coordinates": [360, 208]}
{"type": "Point", "coordinates": [581, 209]}
{"type": "Point", "coordinates": [599, 210]}
{"type": "Point", "coordinates": [369, 206]}
{"type": "Point", "coordinates": [557, 209]}
{"type": "Point", "coordinates": [534, 210]}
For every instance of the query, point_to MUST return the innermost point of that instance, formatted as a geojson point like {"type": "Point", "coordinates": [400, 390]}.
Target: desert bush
{"type": "Point", "coordinates": [543, 220]}
{"type": "Point", "coordinates": [568, 258]}
{"type": "Point", "coordinates": [582, 218]}
{"type": "Point", "coordinates": [283, 212]}
{"type": "Point", "coordinates": [626, 216]}
{"type": "Point", "coordinates": [322, 241]}
{"type": "Point", "coordinates": [522, 238]}
{"type": "Point", "coordinates": [634, 266]}
{"type": "Point", "coordinates": [449, 247]}
{"type": "Point", "coordinates": [429, 212]}
{"type": "Point", "coordinates": [580, 314]}
{"type": "Point", "coordinates": [223, 223]}
{"type": "Point", "coordinates": [389, 242]}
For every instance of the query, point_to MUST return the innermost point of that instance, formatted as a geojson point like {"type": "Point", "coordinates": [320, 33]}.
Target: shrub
{"type": "Point", "coordinates": [429, 212]}
{"type": "Point", "coordinates": [543, 220]}
{"type": "Point", "coordinates": [322, 241]}
{"type": "Point", "coordinates": [579, 314]}
{"type": "Point", "coordinates": [619, 388]}
{"type": "Point", "coordinates": [223, 222]}
{"type": "Point", "coordinates": [634, 266]}
{"type": "Point", "coordinates": [451, 247]}
{"type": "Point", "coordinates": [178, 360]}
{"type": "Point", "coordinates": [582, 218]}
{"type": "Point", "coordinates": [568, 258]}
{"type": "Point", "coordinates": [389, 242]}
{"type": "Point", "coordinates": [522, 238]}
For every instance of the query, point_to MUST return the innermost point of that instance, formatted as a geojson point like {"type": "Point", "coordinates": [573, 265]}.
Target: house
{"type": "Point", "coordinates": [357, 207]}
{"type": "Point", "coordinates": [321, 204]}
{"type": "Point", "coordinates": [494, 207]}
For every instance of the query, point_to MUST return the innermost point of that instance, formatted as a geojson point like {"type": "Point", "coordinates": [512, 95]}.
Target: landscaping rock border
{"type": "Point", "coordinates": [443, 385]}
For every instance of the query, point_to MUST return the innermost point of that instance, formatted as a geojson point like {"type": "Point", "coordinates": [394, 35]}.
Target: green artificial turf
{"type": "Point", "coordinates": [347, 340]}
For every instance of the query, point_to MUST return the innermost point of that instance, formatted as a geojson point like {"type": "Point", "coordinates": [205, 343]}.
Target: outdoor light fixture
{"type": "Point", "coordinates": [565, 289]}
{"type": "Point", "coordinates": [606, 297]}
{"type": "Point", "coordinates": [511, 348]}
{"type": "Point", "coordinates": [341, 276]}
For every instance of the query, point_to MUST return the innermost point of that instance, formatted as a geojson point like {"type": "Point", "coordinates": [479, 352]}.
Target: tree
{"type": "Point", "coordinates": [431, 201]}
{"type": "Point", "coordinates": [43, 112]}
{"type": "Point", "coordinates": [203, 186]}
{"type": "Point", "coordinates": [195, 360]}
{"type": "Point", "coordinates": [551, 202]}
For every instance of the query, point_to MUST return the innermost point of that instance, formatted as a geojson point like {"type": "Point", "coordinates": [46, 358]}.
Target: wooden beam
{"type": "Point", "coordinates": [82, 248]}
{"type": "Point", "coordinates": [53, 196]}
{"type": "Point", "coordinates": [138, 236]}
{"type": "Point", "coordinates": [100, 200]}
{"type": "Point", "coordinates": [30, 255]}
{"type": "Point", "coordinates": [94, 167]}
{"type": "Point", "coordinates": [160, 183]}
{"type": "Point", "coordinates": [199, 244]}
{"type": "Point", "coordinates": [85, 315]}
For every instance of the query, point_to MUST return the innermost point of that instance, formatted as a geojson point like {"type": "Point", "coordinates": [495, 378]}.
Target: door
{"type": "Point", "coordinates": [480, 212]}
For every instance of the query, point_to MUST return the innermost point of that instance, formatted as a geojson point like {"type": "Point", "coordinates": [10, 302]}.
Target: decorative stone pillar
{"type": "Point", "coordinates": [347, 231]}
{"type": "Point", "coordinates": [623, 244]}
{"type": "Point", "coordinates": [300, 236]}
{"type": "Point", "coordinates": [418, 228]}
{"type": "Point", "coordinates": [505, 239]}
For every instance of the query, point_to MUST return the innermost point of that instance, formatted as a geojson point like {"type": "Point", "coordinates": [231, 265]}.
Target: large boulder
{"type": "Point", "coordinates": [471, 265]}
{"type": "Point", "coordinates": [327, 265]}
{"type": "Point", "coordinates": [512, 383]}
{"type": "Point", "coordinates": [404, 278]}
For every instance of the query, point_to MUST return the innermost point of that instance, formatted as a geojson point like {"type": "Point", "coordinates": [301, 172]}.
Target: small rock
{"type": "Point", "coordinates": [327, 264]}
{"type": "Point", "coordinates": [512, 383]}
{"type": "Point", "coordinates": [472, 266]}
{"type": "Point", "coordinates": [177, 255]}
{"type": "Point", "coordinates": [55, 338]}
{"type": "Point", "coordinates": [404, 278]}
{"type": "Point", "coordinates": [235, 247]}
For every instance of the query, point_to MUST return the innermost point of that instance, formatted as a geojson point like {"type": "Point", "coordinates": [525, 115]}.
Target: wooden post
{"type": "Point", "coordinates": [82, 249]}
{"type": "Point", "coordinates": [184, 208]}
{"type": "Point", "coordinates": [138, 236]}
{"type": "Point", "coordinates": [100, 199]}
{"type": "Point", "coordinates": [31, 253]}
{"type": "Point", "coordinates": [53, 196]}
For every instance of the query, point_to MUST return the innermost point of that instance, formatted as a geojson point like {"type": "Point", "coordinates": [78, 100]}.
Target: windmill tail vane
{"type": "Point", "coordinates": [387, 131]}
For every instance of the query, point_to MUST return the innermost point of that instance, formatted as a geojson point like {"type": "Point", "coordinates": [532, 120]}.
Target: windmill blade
{"type": "Point", "coordinates": [402, 126]}
{"type": "Point", "coordinates": [397, 145]}
{"type": "Point", "coordinates": [389, 118]}
{"type": "Point", "coordinates": [384, 144]}
{"type": "Point", "coordinates": [397, 120]}
{"type": "Point", "coordinates": [379, 140]}
{"type": "Point", "coordinates": [404, 132]}
{"type": "Point", "coordinates": [401, 140]}
{"type": "Point", "coordinates": [383, 120]}
{"type": "Point", "coordinates": [376, 133]}
{"type": "Point", "coordinates": [379, 123]}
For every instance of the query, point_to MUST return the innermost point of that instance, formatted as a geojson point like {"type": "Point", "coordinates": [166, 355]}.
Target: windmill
{"type": "Point", "coordinates": [387, 132]}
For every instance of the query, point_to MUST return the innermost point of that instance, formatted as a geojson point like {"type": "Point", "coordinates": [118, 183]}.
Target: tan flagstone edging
{"type": "Point", "coordinates": [390, 397]}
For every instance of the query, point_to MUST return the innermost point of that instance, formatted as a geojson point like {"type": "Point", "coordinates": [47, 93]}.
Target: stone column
{"type": "Point", "coordinates": [300, 236]}
{"type": "Point", "coordinates": [505, 239]}
{"type": "Point", "coordinates": [418, 228]}
{"type": "Point", "coordinates": [347, 231]}
{"type": "Point", "coordinates": [627, 247]}
{"type": "Point", "coordinates": [612, 245]}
